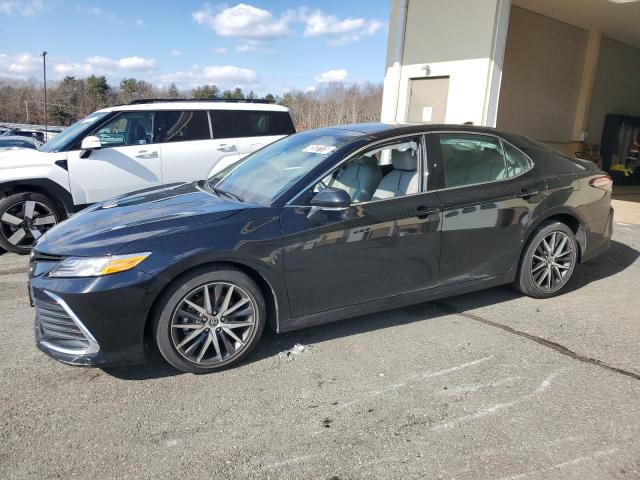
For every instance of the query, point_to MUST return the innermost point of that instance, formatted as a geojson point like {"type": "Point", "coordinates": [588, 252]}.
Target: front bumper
{"type": "Point", "coordinates": [91, 321]}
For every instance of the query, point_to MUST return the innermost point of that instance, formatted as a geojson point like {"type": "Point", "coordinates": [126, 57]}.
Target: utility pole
{"type": "Point", "coordinates": [44, 71]}
{"type": "Point", "coordinates": [26, 106]}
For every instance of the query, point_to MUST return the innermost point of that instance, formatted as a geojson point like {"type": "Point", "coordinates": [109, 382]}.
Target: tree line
{"type": "Point", "coordinates": [22, 101]}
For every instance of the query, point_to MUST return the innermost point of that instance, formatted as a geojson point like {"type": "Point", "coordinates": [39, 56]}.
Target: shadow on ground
{"type": "Point", "coordinates": [615, 260]}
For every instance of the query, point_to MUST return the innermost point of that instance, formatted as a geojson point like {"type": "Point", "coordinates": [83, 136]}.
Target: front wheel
{"type": "Point", "coordinates": [548, 261]}
{"type": "Point", "coordinates": [24, 218]}
{"type": "Point", "coordinates": [209, 320]}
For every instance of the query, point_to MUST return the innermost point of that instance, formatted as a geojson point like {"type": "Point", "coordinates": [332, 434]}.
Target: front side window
{"type": "Point", "coordinates": [128, 128]}
{"type": "Point", "coordinates": [471, 159]}
{"type": "Point", "coordinates": [181, 126]}
{"type": "Point", "coordinates": [262, 176]}
{"type": "Point", "coordinates": [384, 172]}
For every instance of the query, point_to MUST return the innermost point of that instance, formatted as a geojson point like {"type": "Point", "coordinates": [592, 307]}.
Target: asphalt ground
{"type": "Point", "coordinates": [489, 385]}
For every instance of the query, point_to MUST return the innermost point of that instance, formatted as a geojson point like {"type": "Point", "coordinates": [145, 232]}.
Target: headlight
{"type": "Point", "coordinates": [97, 266]}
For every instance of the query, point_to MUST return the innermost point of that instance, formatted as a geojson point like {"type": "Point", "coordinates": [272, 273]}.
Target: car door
{"type": "Point", "coordinates": [187, 149]}
{"type": "Point", "coordinates": [227, 126]}
{"type": "Point", "coordinates": [489, 197]}
{"type": "Point", "coordinates": [386, 243]}
{"type": "Point", "coordinates": [128, 160]}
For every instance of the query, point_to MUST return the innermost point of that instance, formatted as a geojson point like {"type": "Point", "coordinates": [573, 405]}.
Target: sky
{"type": "Point", "coordinates": [265, 46]}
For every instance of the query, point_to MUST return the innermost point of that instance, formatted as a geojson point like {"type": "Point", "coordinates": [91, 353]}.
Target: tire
{"type": "Point", "coordinates": [20, 214]}
{"type": "Point", "coordinates": [211, 346]}
{"type": "Point", "coordinates": [548, 261]}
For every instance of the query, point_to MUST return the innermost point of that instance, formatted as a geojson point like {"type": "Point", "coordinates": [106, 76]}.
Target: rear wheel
{"type": "Point", "coordinates": [210, 320]}
{"type": "Point", "coordinates": [548, 261]}
{"type": "Point", "coordinates": [24, 218]}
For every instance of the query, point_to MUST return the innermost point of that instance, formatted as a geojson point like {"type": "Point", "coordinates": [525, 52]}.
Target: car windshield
{"type": "Point", "coordinates": [70, 133]}
{"type": "Point", "coordinates": [261, 177]}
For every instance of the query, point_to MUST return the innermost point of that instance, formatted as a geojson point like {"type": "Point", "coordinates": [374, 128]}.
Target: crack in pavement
{"type": "Point", "coordinates": [451, 309]}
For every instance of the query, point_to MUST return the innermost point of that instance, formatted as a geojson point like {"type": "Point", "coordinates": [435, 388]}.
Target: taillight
{"type": "Point", "coordinates": [604, 182]}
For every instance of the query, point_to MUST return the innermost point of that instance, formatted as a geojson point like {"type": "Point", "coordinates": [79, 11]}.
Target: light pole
{"type": "Point", "coordinates": [44, 71]}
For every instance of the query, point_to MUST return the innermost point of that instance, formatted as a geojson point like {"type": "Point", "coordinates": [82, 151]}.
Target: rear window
{"type": "Point", "coordinates": [249, 123]}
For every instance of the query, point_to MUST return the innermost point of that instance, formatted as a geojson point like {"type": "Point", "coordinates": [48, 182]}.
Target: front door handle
{"type": "Point", "coordinates": [527, 192]}
{"type": "Point", "coordinates": [424, 211]}
{"type": "Point", "coordinates": [144, 155]}
{"type": "Point", "coordinates": [227, 148]}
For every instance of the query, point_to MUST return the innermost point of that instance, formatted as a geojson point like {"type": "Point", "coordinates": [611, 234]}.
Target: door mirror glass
{"type": "Point", "coordinates": [91, 143]}
{"type": "Point", "coordinates": [331, 199]}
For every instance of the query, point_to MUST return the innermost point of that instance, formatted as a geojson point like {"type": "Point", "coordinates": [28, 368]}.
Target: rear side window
{"type": "Point", "coordinates": [470, 159]}
{"type": "Point", "coordinates": [227, 124]}
{"type": "Point", "coordinates": [516, 161]}
{"type": "Point", "coordinates": [268, 123]}
{"type": "Point", "coordinates": [181, 126]}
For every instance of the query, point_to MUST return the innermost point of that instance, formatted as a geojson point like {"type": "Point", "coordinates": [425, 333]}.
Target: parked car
{"type": "Point", "coordinates": [4, 131]}
{"type": "Point", "coordinates": [126, 148]}
{"type": "Point", "coordinates": [14, 142]}
{"type": "Point", "coordinates": [319, 226]}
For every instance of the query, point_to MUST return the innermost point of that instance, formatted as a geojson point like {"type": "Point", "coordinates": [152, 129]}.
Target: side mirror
{"type": "Point", "coordinates": [91, 143]}
{"type": "Point", "coordinates": [331, 199]}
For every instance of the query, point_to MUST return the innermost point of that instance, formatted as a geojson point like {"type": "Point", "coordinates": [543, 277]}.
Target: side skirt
{"type": "Point", "coordinates": [390, 303]}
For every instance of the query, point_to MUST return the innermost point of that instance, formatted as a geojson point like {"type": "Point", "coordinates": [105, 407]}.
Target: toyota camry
{"type": "Point", "coordinates": [320, 226]}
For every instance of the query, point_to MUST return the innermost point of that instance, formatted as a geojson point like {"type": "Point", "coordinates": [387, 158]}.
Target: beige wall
{"type": "Point", "coordinates": [541, 77]}
{"type": "Point", "coordinates": [461, 40]}
{"type": "Point", "coordinates": [617, 85]}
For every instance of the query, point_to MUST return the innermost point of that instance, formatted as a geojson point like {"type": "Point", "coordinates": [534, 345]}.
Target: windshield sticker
{"type": "Point", "coordinates": [321, 149]}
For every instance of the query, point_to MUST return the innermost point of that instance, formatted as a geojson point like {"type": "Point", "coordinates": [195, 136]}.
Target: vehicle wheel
{"type": "Point", "coordinates": [210, 320]}
{"type": "Point", "coordinates": [25, 217]}
{"type": "Point", "coordinates": [548, 261]}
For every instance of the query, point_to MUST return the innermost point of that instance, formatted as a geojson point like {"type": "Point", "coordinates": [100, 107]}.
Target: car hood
{"type": "Point", "coordinates": [104, 228]}
{"type": "Point", "coordinates": [27, 157]}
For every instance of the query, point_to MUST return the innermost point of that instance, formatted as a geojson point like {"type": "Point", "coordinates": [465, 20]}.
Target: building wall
{"type": "Point", "coordinates": [617, 85]}
{"type": "Point", "coordinates": [541, 77]}
{"type": "Point", "coordinates": [454, 39]}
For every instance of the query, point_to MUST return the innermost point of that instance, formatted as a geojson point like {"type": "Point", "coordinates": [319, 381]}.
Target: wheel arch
{"type": "Point", "coordinates": [44, 186]}
{"type": "Point", "coordinates": [265, 286]}
{"type": "Point", "coordinates": [566, 216]}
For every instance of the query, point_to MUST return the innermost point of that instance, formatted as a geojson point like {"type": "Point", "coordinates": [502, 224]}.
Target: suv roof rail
{"type": "Point", "coordinates": [142, 101]}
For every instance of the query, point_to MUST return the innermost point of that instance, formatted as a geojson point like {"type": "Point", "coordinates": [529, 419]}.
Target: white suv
{"type": "Point", "coordinates": [125, 148]}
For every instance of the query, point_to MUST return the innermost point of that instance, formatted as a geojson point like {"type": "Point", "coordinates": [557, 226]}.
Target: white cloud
{"type": "Point", "coordinates": [20, 66]}
{"type": "Point", "coordinates": [23, 7]}
{"type": "Point", "coordinates": [127, 63]}
{"type": "Point", "coordinates": [332, 76]}
{"type": "Point", "coordinates": [221, 50]}
{"type": "Point", "coordinates": [176, 53]}
{"type": "Point", "coordinates": [244, 21]}
{"type": "Point", "coordinates": [223, 76]}
{"type": "Point", "coordinates": [343, 32]}
{"type": "Point", "coordinates": [245, 48]}
{"type": "Point", "coordinates": [310, 89]}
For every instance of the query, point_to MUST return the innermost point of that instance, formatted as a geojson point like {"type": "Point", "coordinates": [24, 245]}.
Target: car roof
{"type": "Point", "coordinates": [383, 130]}
{"type": "Point", "coordinates": [195, 105]}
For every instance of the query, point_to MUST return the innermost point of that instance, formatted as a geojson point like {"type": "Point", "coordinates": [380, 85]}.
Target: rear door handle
{"type": "Point", "coordinates": [527, 192]}
{"type": "Point", "coordinates": [227, 148]}
{"type": "Point", "coordinates": [424, 212]}
{"type": "Point", "coordinates": [142, 154]}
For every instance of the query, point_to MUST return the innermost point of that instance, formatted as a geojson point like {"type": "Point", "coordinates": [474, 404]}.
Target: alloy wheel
{"type": "Point", "coordinates": [213, 323]}
{"type": "Point", "coordinates": [24, 222]}
{"type": "Point", "coordinates": [553, 261]}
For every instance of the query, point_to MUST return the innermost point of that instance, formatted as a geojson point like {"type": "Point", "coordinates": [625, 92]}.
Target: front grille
{"type": "Point", "coordinates": [58, 329]}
